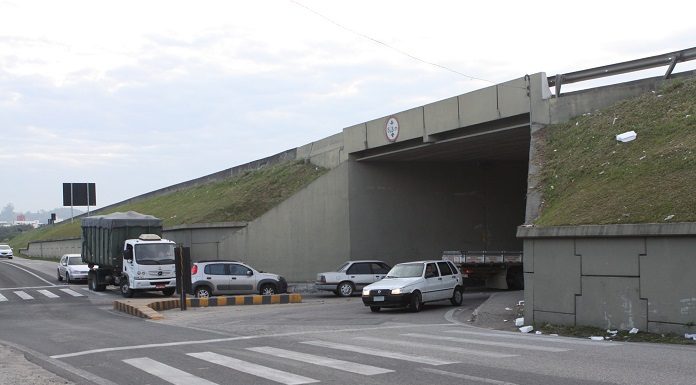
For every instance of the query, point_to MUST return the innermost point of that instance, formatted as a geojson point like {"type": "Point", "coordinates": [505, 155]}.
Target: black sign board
{"type": "Point", "coordinates": [79, 194]}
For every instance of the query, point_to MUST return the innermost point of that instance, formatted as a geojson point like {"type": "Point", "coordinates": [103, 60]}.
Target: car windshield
{"type": "Point", "coordinates": [406, 270]}
{"type": "Point", "coordinates": [4, 247]}
{"type": "Point", "coordinates": [154, 254]}
{"type": "Point", "coordinates": [75, 261]}
{"type": "Point", "coordinates": [343, 267]}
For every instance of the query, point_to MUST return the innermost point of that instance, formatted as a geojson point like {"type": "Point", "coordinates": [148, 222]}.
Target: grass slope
{"type": "Point", "coordinates": [240, 198]}
{"type": "Point", "coordinates": [590, 178]}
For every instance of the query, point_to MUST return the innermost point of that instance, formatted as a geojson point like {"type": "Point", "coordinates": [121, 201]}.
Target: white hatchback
{"type": "Point", "coordinates": [71, 268]}
{"type": "Point", "coordinates": [414, 283]}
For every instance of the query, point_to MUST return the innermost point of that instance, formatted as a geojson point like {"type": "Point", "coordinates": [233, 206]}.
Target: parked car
{"type": "Point", "coordinates": [6, 251]}
{"type": "Point", "coordinates": [414, 283]}
{"type": "Point", "coordinates": [351, 276]}
{"type": "Point", "coordinates": [217, 277]}
{"type": "Point", "coordinates": [71, 268]}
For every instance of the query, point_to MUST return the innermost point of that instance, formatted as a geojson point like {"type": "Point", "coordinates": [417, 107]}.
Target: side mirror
{"type": "Point", "coordinates": [250, 273]}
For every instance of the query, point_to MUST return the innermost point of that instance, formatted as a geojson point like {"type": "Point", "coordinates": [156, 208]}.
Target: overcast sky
{"type": "Point", "coordinates": [139, 95]}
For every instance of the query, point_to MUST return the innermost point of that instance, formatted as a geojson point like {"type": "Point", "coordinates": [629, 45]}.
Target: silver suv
{"type": "Point", "coordinates": [231, 277]}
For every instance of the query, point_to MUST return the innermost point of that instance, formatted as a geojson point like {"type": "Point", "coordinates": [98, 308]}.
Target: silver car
{"type": "Point", "coordinates": [71, 268]}
{"type": "Point", "coordinates": [351, 276]}
{"type": "Point", "coordinates": [6, 251]}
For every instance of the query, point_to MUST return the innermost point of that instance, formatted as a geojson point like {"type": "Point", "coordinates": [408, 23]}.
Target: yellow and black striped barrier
{"type": "Point", "coordinates": [148, 308]}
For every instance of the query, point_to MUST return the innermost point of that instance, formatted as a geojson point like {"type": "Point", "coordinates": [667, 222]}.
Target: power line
{"type": "Point", "coordinates": [389, 46]}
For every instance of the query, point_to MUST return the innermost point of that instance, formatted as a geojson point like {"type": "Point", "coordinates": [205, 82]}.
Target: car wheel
{"type": "Point", "coordinates": [416, 302]}
{"type": "Point", "coordinates": [67, 278]}
{"type": "Point", "coordinates": [268, 289]}
{"type": "Point", "coordinates": [375, 309]}
{"type": "Point", "coordinates": [456, 299]}
{"type": "Point", "coordinates": [60, 278]}
{"type": "Point", "coordinates": [202, 292]}
{"type": "Point", "coordinates": [345, 289]}
{"type": "Point", "coordinates": [168, 291]}
{"type": "Point", "coordinates": [126, 291]}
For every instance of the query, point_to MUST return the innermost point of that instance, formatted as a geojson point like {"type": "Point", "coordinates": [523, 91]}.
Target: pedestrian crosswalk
{"type": "Point", "coordinates": [323, 360]}
{"type": "Point", "coordinates": [39, 293]}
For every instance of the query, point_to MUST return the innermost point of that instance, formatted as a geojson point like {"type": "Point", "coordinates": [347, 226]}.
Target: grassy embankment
{"type": "Point", "coordinates": [590, 178]}
{"type": "Point", "coordinates": [240, 198]}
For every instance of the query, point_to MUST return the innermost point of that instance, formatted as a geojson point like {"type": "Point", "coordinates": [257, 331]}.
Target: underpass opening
{"type": "Point", "coordinates": [466, 192]}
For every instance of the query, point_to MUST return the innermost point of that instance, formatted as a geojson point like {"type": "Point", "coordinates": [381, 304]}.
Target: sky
{"type": "Point", "coordinates": [139, 95]}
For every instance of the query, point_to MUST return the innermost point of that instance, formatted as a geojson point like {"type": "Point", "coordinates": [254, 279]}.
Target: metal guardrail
{"type": "Point", "coordinates": [671, 59]}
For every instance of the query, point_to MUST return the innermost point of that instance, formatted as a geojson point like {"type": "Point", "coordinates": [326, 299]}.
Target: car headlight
{"type": "Point", "coordinates": [366, 292]}
{"type": "Point", "coordinates": [396, 291]}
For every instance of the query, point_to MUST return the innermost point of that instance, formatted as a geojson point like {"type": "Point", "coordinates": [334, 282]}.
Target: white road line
{"type": "Point", "coordinates": [27, 271]}
{"type": "Point", "coordinates": [3, 298]}
{"type": "Point", "coordinates": [23, 295]}
{"type": "Point", "coordinates": [438, 347]}
{"type": "Point", "coordinates": [536, 338]}
{"type": "Point", "coordinates": [253, 369]}
{"type": "Point", "coordinates": [47, 293]}
{"type": "Point", "coordinates": [166, 372]}
{"type": "Point", "coordinates": [467, 377]}
{"type": "Point", "coordinates": [488, 343]}
{"type": "Point", "coordinates": [92, 292]}
{"type": "Point", "coordinates": [26, 287]}
{"type": "Point", "coordinates": [380, 353]}
{"type": "Point", "coordinates": [72, 292]}
{"type": "Point", "coordinates": [347, 366]}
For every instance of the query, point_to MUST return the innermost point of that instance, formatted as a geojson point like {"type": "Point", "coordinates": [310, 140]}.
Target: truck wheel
{"type": "Point", "coordinates": [345, 289]}
{"type": "Point", "coordinates": [416, 302]}
{"type": "Point", "coordinates": [268, 289]}
{"type": "Point", "coordinates": [456, 299]}
{"type": "Point", "coordinates": [168, 291]}
{"type": "Point", "coordinates": [126, 291]}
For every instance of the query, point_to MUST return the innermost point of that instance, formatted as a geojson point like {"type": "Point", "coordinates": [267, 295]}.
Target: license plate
{"type": "Point", "coordinates": [378, 299]}
{"type": "Point", "coordinates": [160, 285]}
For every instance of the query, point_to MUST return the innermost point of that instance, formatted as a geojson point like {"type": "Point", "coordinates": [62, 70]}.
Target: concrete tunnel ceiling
{"type": "Point", "coordinates": [501, 140]}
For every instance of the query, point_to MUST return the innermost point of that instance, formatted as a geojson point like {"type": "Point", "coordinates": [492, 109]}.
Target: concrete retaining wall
{"type": "Point", "coordinates": [53, 249]}
{"type": "Point", "coordinates": [612, 277]}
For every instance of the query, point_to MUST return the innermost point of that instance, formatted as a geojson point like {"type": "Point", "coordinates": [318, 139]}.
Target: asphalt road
{"type": "Point", "coordinates": [322, 340]}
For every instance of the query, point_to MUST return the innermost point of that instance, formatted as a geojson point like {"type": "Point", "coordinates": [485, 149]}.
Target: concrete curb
{"type": "Point", "coordinates": [149, 308]}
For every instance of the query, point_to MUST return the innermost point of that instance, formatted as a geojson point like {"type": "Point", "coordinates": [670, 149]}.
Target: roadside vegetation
{"type": "Point", "coordinates": [591, 178]}
{"type": "Point", "coordinates": [619, 336]}
{"type": "Point", "coordinates": [237, 199]}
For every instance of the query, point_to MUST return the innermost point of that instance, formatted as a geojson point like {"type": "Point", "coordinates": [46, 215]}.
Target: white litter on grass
{"type": "Point", "coordinates": [613, 332]}
{"type": "Point", "coordinates": [596, 338]}
{"type": "Point", "coordinates": [615, 117]}
{"type": "Point", "coordinates": [538, 332]}
{"type": "Point", "coordinates": [526, 329]}
{"type": "Point", "coordinates": [669, 217]}
{"type": "Point", "coordinates": [520, 303]}
{"type": "Point", "coordinates": [626, 136]}
{"type": "Point", "coordinates": [633, 331]}
{"type": "Point", "coordinates": [690, 336]}
{"type": "Point", "coordinates": [519, 321]}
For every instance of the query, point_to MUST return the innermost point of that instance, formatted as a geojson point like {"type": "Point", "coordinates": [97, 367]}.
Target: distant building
{"type": "Point", "coordinates": [34, 223]}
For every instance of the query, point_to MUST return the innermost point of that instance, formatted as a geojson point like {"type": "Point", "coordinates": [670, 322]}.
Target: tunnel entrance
{"type": "Point", "coordinates": [463, 192]}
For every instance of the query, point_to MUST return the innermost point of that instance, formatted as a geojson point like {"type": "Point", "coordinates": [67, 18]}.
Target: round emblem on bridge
{"type": "Point", "coordinates": [391, 129]}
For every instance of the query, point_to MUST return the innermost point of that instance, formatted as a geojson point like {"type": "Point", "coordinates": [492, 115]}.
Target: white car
{"type": "Point", "coordinates": [414, 283]}
{"type": "Point", "coordinates": [71, 268]}
{"type": "Point", "coordinates": [351, 276]}
{"type": "Point", "coordinates": [6, 251]}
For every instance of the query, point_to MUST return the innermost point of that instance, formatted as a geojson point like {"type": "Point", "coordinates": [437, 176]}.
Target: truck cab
{"type": "Point", "coordinates": [148, 264]}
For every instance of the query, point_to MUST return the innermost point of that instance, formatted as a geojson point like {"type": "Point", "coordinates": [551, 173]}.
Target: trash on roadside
{"type": "Point", "coordinates": [519, 321]}
{"type": "Point", "coordinates": [633, 331]}
{"type": "Point", "coordinates": [520, 303]}
{"type": "Point", "coordinates": [612, 332]}
{"type": "Point", "coordinates": [538, 332]}
{"type": "Point", "coordinates": [526, 329]}
{"type": "Point", "coordinates": [505, 320]}
{"type": "Point", "coordinates": [690, 336]}
{"type": "Point", "coordinates": [554, 335]}
{"type": "Point", "coordinates": [596, 338]}
{"type": "Point", "coordinates": [626, 136]}
{"type": "Point", "coordinates": [508, 309]}
{"type": "Point", "coordinates": [669, 217]}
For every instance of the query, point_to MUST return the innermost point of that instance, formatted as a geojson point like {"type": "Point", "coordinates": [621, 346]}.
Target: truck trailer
{"type": "Point", "coordinates": [127, 250]}
{"type": "Point", "coordinates": [494, 269]}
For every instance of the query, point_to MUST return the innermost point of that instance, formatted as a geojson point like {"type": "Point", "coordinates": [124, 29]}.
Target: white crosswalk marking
{"type": "Point", "coordinates": [166, 372]}
{"type": "Point", "coordinates": [3, 298]}
{"type": "Point", "coordinates": [72, 292]}
{"type": "Point", "coordinates": [438, 347]}
{"type": "Point", "coordinates": [536, 338]}
{"type": "Point", "coordinates": [47, 293]}
{"type": "Point", "coordinates": [467, 377]}
{"type": "Point", "coordinates": [253, 369]}
{"type": "Point", "coordinates": [322, 361]}
{"type": "Point", "coordinates": [23, 295]}
{"type": "Point", "coordinates": [381, 353]}
{"type": "Point", "coordinates": [488, 343]}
